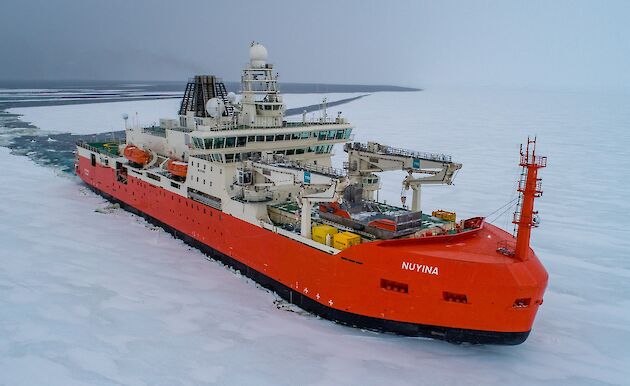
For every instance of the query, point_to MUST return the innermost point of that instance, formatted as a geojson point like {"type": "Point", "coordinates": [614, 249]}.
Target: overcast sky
{"type": "Point", "coordinates": [416, 43]}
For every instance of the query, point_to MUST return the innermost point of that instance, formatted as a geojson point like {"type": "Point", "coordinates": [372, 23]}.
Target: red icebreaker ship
{"type": "Point", "coordinates": [232, 177]}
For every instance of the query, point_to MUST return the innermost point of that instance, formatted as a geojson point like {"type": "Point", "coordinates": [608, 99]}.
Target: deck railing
{"type": "Point", "coordinates": [383, 149]}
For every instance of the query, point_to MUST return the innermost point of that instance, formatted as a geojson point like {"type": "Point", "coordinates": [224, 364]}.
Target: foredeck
{"type": "Point", "coordinates": [291, 211]}
{"type": "Point", "coordinates": [109, 148]}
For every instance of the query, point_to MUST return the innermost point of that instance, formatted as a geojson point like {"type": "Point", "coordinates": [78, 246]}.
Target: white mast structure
{"type": "Point", "coordinates": [261, 104]}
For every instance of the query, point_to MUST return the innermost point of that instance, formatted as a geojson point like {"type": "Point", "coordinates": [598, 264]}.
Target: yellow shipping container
{"type": "Point", "coordinates": [345, 240]}
{"type": "Point", "coordinates": [319, 232]}
{"type": "Point", "coordinates": [444, 215]}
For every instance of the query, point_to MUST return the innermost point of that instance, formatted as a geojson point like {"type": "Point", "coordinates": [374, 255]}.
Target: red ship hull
{"type": "Point", "coordinates": [440, 288]}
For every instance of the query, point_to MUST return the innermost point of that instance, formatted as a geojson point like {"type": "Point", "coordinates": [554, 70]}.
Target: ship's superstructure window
{"type": "Point", "coordinates": [229, 142]}
{"type": "Point", "coordinates": [325, 149]}
{"type": "Point", "coordinates": [153, 176]}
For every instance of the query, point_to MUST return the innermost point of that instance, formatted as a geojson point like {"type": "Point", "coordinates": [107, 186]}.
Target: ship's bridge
{"type": "Point", "coordinates": [294, 139]}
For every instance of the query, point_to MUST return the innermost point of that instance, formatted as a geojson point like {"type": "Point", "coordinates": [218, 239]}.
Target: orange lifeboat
{"type": "Point", "coordinates": [137, 155]}
{"type": "Point", "coordinates": [177, 168]}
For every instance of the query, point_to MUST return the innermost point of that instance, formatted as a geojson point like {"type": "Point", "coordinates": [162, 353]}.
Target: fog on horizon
{"type": "Point", "coordinates": [409, 43]}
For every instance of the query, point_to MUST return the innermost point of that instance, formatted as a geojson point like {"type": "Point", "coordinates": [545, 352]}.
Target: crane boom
{"type": "Point", "coordinates": [366, 159]}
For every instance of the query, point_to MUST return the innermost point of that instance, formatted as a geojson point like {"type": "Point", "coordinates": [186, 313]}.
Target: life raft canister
{"type": "Point", "coordinates": [177, 168]}
{"type": "Point", "coordinates": [137, 155]}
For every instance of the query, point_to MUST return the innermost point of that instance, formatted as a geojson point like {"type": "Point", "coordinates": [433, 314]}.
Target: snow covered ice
{"type": "Point", "coordinates": [107, 116]}
{"type": "Point", "coordinates": [90, 294]}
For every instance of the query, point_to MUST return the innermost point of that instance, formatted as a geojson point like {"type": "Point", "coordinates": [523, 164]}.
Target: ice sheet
{"type": "Point", "coordinates": [96, 117]}
{"type": "Point", "coordinates": [104, 117]}
{"type": "Point", "coordinates": [103, 298]}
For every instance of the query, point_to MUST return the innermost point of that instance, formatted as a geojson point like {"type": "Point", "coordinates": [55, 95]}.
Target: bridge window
{"type": "Point", "coordinates": [241, 141]}
{"type": "Point", "coordinates": [230, 141]}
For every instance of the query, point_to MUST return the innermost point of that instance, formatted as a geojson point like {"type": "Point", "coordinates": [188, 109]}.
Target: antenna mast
{"type": "Point", "coordinates": [529, 187]}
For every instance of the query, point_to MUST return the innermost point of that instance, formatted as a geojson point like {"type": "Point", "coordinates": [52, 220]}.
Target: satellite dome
{"type": "Point", "coordinates": [257, 55]}
{"type": "Point", "coordinates": [214, 107]}
{"type": "Point", "coordinates": [231, 97]}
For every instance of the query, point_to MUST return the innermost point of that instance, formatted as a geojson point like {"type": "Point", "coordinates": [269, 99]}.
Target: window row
{"type": "Point", "coordinates": [325, 149]}
{"type": "Point", "coordinates": [238, 157]}
{"type": "Point", "coordinates": [229, 142]}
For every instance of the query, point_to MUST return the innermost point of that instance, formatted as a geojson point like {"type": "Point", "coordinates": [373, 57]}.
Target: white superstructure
{"type": "Point", "coordinates": [240, 155]}
{"type": "Point", "coordinates": [219, 143]}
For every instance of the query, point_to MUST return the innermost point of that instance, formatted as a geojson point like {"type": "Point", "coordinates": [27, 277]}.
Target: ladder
{"type": "Point", "coordinates": [221, 92]}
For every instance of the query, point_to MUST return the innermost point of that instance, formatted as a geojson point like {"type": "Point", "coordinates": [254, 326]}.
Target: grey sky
{"type": "Point", "coordinates": [415, 43]}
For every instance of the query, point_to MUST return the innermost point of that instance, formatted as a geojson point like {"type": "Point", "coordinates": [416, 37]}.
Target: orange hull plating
{"type": "Point", "coordinates": [456, 287]}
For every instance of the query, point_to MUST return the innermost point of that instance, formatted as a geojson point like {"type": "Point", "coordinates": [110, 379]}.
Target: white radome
{"type": "Point", "coordinates": [231, 97]}
{"type": "Point", "coordinates": [257, 55]}
{"type": "Point", "coordinates": [214, 107]}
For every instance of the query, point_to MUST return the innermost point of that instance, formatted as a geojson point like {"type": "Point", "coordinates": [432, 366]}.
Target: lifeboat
{"type": "Point", "coordinates": [177, 168]}
{"type": "Point", "coordinates": [137, 155]}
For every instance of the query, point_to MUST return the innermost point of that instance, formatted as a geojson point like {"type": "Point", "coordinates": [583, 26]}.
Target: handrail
{"type": "Point", "coordinates": [384, 149]}
{"type": "Point", "coordinates": [285, 162]}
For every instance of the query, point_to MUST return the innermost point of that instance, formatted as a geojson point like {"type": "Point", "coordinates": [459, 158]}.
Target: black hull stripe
{"type": "Point", "coordinates": [454, 335]}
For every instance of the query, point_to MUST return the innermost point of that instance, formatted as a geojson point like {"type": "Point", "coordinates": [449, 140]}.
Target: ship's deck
{"type": "Point", "coordinates": [427, 221]}
{"type": "Point", "coordinates": [110, 148]}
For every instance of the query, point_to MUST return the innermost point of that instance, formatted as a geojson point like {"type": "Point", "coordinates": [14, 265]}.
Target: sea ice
{"type": "Point", "coordinates": [107, 116]}
{"type": "Point", "coordinates": [101, 297]}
